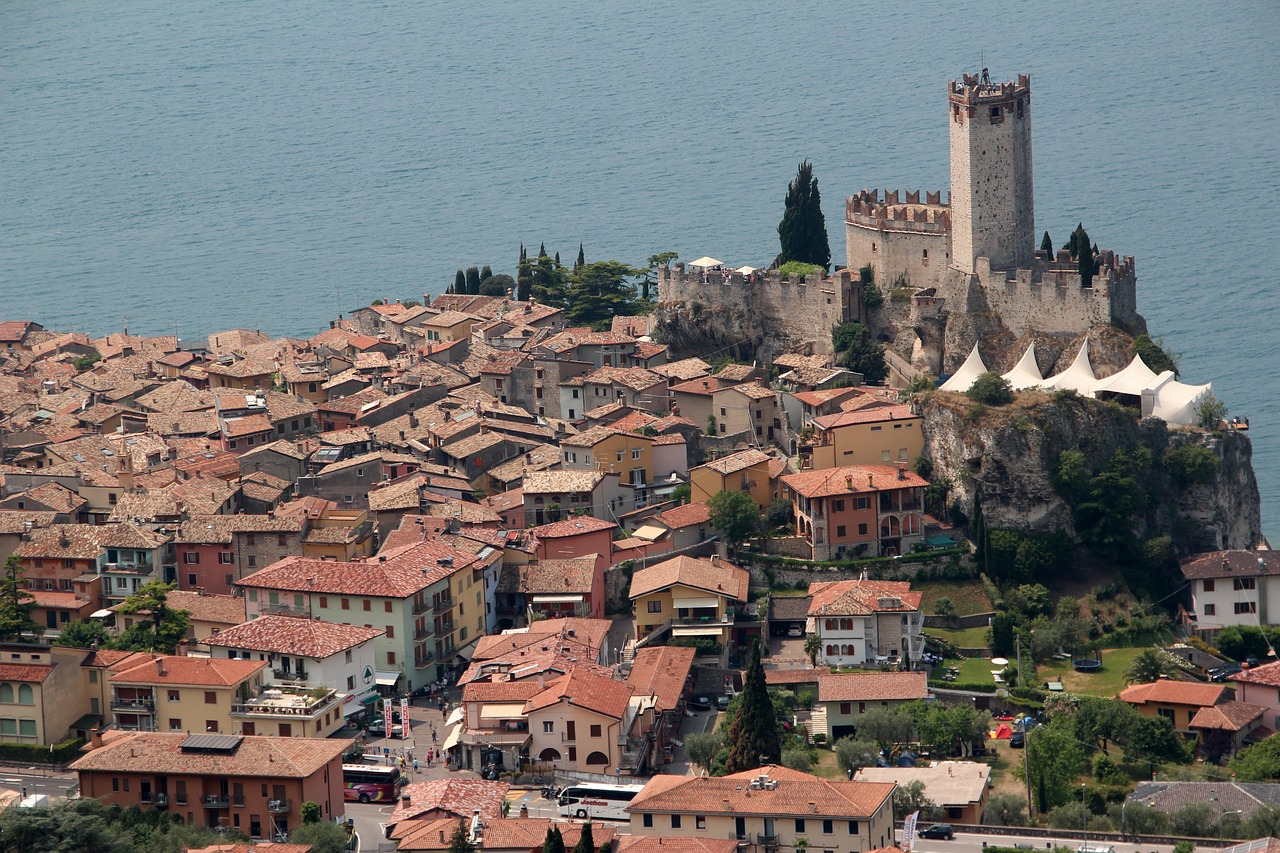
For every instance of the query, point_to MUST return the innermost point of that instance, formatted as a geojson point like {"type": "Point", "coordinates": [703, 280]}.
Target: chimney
{"type": "Point", "coordinates": [413, 421]}
{"type": "Point", "coordinates": [160, 666]}
{"type": "Point", "coordinates": [848, 482]}
{"type": "Point", "coordinates": [183, 648]}
{"type": "Point", "coordinates": [95, 738]}
{"type": "Point", "coordinates": [902, 470]}
{"type": "Point", "coordinates": [871, 480]}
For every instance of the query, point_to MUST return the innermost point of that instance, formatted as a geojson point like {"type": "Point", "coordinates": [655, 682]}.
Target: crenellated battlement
{"type": "Point", "coordinates": [974, 90]}
{"type": "Point", "coordinates": [891, 213]}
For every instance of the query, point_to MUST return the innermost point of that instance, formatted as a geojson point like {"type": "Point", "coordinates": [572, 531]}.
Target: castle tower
{"type": "Point", "coordinates": [992, 215]}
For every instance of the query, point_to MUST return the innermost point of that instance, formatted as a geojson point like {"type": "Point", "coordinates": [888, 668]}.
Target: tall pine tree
{"type": "Point", "coordinates": [459, 283]}
{"type": "Point", "coordinates": [600, 290]}
{"type": "Point", "coordinates": [586, 844]}
{"type": "Point", "coordinates": [1046, 246]}
{"type": "Point", "coordinates": [554, 842]}
{"type": "Point", "coordinates": [524, 276]}
{"type": "Point", "coordinates": [803, 230]}
{"type": "Point", "coordinates": [486, 272]}
{"type": "Point", "coordinates": [582, 259]}
{"type": "Point", "coordinates": [753, 734]}
{"type": "Point", "coordinates": [473, 281]}
{"type": "Point", "coordinates": [16, 603]}
{"type": "Point", "coordinates": [549, 282]}
{"type": "Point", "coordinates": [460, 841]}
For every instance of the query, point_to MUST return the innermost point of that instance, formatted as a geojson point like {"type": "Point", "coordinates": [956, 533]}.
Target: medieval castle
{"type": "Point", "coordinates": [964, 261]}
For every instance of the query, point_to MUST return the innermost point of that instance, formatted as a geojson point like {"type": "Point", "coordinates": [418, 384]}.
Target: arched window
{"type": "Point", "coordinates": [6, 692]}
{"type": "Point", "coordinates": [26, 696]}
{"type": "Point", "coordinates": [549, 754]}
{"type": "Point", "coordinates": [831, 650]}
{"type": "Point", "coordinates": [890, 526]}
{"type": "Point", "coordinates": [597, 758]}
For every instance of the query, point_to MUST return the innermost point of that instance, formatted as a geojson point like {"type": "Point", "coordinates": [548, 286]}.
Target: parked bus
{"type": "Point", "coordinates": [371, 783]}
{"type": "Point", "coordinates": [590, 800]}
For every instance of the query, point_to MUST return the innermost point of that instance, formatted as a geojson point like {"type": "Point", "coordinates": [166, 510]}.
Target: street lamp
{"type": "Point", "coordinates": [1084, 814]}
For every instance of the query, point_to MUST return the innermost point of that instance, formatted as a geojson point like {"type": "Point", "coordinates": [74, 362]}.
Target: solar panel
{"type": "Point", "coordinates": [211, 743]}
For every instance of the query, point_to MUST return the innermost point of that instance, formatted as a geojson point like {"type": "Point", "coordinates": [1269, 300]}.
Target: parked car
{"type": "Point", "coordinates": [1222, 673]}
{"type": "Point", "coordinates": [722, 702]}
{"type": "Point", "coordinates": [700, 703]}
{"type": "Point", "coordinates": [378, 726]}
{"type": "Point", "coordinates": [938, 830]}
{"type": "Point", "coordinates": [1018, 740]}
{"type": "Point", "coordinates": [795, 631]}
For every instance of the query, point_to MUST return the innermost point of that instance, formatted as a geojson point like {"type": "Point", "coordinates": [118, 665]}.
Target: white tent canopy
{"type": "Point", "coordinates": [1079, 377]}
{"type": "Point", "coordinates": [1132, 380]}
{"type": "Point", "coordinates": [1026, 373]}
{"type": "Point", "coordinates": [1174, 402]}
{"type": "Point", "coordinates": [706, 262]}
{"type": "Point", "coordinates": [972, 368]}
{"type": "Point", "coordinates": [746, 270]}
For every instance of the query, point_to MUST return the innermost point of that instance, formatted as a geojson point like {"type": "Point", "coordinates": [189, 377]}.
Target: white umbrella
{"type": "Point", "coordinates": [746, 270]}
{"type": "Point", "coordinates": [706, 262]}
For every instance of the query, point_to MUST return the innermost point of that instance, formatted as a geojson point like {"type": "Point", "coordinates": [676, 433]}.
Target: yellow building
{"type": "Point", "coordinates": [41, 693]}
{"type": "Point", "coordinates": [580, 721]}
{"type": "Point", "coordinates": [698, 599]}
{"type": "Point", "coordinates": [1176, 701]}
{"type": "Point", "coordinates": [750, 408]}
{"type": "Point", "coordinates": [768, 809]}
{"type": "Point", "coordinates": [745, 471]}
{"type": "Point", "coordinates": [449, 326]}
{"type": "Point", "coordinates": [175, 693]}
{"type": "Point", "coordinates": [601, 448]}
{"type": "Point", "coordinates": [880, 435]}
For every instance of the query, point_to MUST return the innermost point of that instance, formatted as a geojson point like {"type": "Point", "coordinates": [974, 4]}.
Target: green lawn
{"type": "Point", "coordinates": [968, 596]}
{"type": "Point", "coordinates": [1106, 683]}
{"type": "Point", "coordinates": [969, 638]}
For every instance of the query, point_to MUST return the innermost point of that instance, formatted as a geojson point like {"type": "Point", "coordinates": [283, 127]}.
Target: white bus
{"type": "Point", "coordinates": [591, 800]}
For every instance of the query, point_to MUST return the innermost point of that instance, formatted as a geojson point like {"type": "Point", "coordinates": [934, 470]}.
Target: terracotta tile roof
{"type": "Point", "coordinates": [472, 444]}
{"type": "Point", "coordinates": [635, 378]}
{"type": "Point", "coordinates": [29, 673]}
{"type": "Point", "coordinates": [510, 499]}
{"type": "Point", "coordinates": [1267, 673]}
{"type": "Point", "coordinates": [719, 577]}
{"type": "Point", "coordinates": [577, 525]}
{"type": "Point", "coordinates": [205, 607]}
{"type": "Point", "coordinates": [1174, 693]}
{"type": "Point", "coordinates": [1244, 798]}
{"type": "Point", "coordinates": [805, 797]}
{"type": "Point", "coordinates": [786, 677]}
{"type": "Point", "coordinates": [792, 608]}
{"type": "Point", "coordinates": [560, 482]}
{"type": "Point", "coordinates": [827, 395]}
{"type": "Point", "coordinates": [263, 757]}
{"type": "Point", "coordinates": [852, 479]}
{"type": "Point", "coordinates": [685, 516]}
{"type": "Point", "coordinates": [15, 521]}
{"type": "Point", "coordinates": [685, 369]}
{"type": "Point", "coordinates": [876, 414]}
{"type": "Point", "coordinates": [220, 529]}
{"type": "Point", "coordinates": [671, 844]}
{"type": "Point", "coordinates": [282, 446]}
{"type": "Point", "coordinates": [750, 390]}
{"type": "Point", "coordinates": [53, 495]}
{"type": "Point", "coordinates": [464, 511]}
{"type": "Point", "coordinates": [127, 535]}
{"type": "Point", "coordinates": [529, 833]}
{"type": "Point", "coordinates": [500, 691]}
{"type": "Point", "coordinates": [400, 575]}
{"type": "Point", "coordinates": [245, 368]}
{"type": "Point", "coordinates": [596, 434]}
{"type": "Point", "coordinates": [661, 671]}
{"type": "Point", "coordinates": [736, 462]}
{"type": "Point", "coordinates": [705, 386]}
{"type": "Point", "coordinates": [63, 541]}
{"type": "Point", "coordinates": [199, 672]}
{"type": "Point", "coordinates": [538, 458]}
{"type": "Point", "coordinates": [576, 337]}
{"type": "Point", "coordinates": [792, 359]}
{"type": "Point", "coordinates": [1229, 716]}
{"type": "Point", "coordinates": [668, 439]}
{"type": "Point", "coordinates": [872, 686]}
{"type": "Point", "coordinates": [290, 635]}
{"type": "Point", "coordinates": [1226, 564]}
{"type": "Point", "coordinates": [571, 575]}
{"type": "Point", "coordinates": [861, 597]}
{"type": "Point", "coordinates": [459, 796]}
{"type": "Point", "coordinates": [584, 689]}
{"type": "Point", "coordinates": [247, 425]}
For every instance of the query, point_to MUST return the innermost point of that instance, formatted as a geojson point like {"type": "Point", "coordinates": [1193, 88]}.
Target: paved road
{"type": "Point", "coordinates": [38, 781]}
{"type": "Point", "coordinates": [973, 843]}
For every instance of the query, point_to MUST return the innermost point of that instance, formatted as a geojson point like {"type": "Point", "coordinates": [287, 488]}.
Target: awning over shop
{"type": "Point", "coordinates": [694, 631]}
{"type": "Point", "coordinates": [451, 737]}
{"type": "Point", "coordinates": [651, 532]}
{"type": "Point", "coordinates": [559, 599]}
{"type": "Point", "coordinates": [455, 717]}
{"type": "Point", "coordinates": [386, 679]}
{"type": "Point", "coordinates": [708, 601]}
{"type": "Point", "coordinates": [502, 711]}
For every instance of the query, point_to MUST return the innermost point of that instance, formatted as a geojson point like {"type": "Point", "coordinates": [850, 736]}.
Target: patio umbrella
{"type": "Point", "coordinates": [706, 262]}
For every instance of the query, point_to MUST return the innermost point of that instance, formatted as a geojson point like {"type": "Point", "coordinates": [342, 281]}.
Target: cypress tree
{"type": "Point", "coordinates": [582, 259]}
{"type": "Point", "coordinates": [459, 283]}
{"type": "Point", "coordinates": [554, 842]}
{"type": "Point", "coordinates": [473, 281]}
{"type": "Point", "coordinates": [586, 844]}
{"type": "Point", "coordinates": [524, 276]}
{"type": "Point", "coordinates": [557, 258]}
{"type": "Point", "coordinates": [803, 230]}
{"type": "Point", "coordinates": [460, 841]}
{"type": "Point", "coordinates": [486, 272]}
{"type": "Point", "coordinates": [753, 735]}
{"type": "Point", "coordinates": [1046, 246]}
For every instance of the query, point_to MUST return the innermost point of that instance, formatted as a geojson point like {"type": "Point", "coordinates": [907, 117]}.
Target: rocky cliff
{"type": "Point", "coordinates": [1008, 455]}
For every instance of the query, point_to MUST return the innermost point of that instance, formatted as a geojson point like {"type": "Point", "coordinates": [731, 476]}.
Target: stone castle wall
{"type": "Point", "coordinates": [802, 311]}
{"type": "Point", "coordinates": [898, 238]}
{"type": "Point", "coordinates": [1052, 299]}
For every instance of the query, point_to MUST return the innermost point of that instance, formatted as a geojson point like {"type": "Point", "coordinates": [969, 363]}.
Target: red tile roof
{"type": "Point", "coordinates": [290, 635]}
{"type": "Point", "coordinates": [852, 479]}
{"type": "Point", "coordinates": [872, 686]}
{"type": "Point", "coordinates": [736, 462]}
{"type": "Point", "coordinates": [400, 575]}
{"type": "Point", "coordinates": [568, 576]}
{"type": "Point", "coordinates": [200, 672]}
{"type": "Point", "coordinates": [861, 597]}
{"type": "Point", "coordinates": [32, 673]}
{"type": "Point", "coordinates": [661, 671]}
{"type": "Point", "coordinates": [795, 794]}
{"type": "Point", "coordinates": [1226, 564]}
{"type": "Point", "coordinates": [1267, 673]}
{"type": "Point", "coordinates": [585, 690]}
{"type": "Point", "coordinates": [1174, 693]}
{"type": "Point", "coordinates": [263, 757]}
{"type": "Point", "coordinates": [719, 577]}
{"type": "Point", "coordinates": [685, 516]}
{"type": "Point", "coordinates": [1229, 716]}
{"type": "Point", "coordinates": [866, 416]}
{"type": "Point", "coordinates": [576, 526]}
{"type": "Point", "coordinates": [459, 796]}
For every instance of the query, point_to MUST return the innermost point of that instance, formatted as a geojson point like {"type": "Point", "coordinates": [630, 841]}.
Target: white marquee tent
{"type": "Point", "coordinates": [972, 368]}
{"type": "Point", "coordinates": [1026, 373]}
{"type": "Point", "coordinates": [1131, 381]}
{"type": "Point", "coordinates": [1174, 402]}
{"type": "Point", "coordinates": [1079, 377]}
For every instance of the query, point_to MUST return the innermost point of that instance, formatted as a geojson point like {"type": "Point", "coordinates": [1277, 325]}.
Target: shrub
{"type": "Point", "coordinates": [799, 268]}
{"type": "Point", "coordinates": [1191, 463]}
{"type": "Point", "coordinates": [991, 389]}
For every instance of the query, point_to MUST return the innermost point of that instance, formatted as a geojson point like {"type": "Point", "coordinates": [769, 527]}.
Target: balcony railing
{"type": "Point", "coordinates": [162, 801]}
{"type": "Point", "coordinates": [423, 632]}
{"type": "Point", "coordinates": [289, 675]}
{"type": "Point", "coordinates": [284, 703]}
{"type": "Point", "coordinates": [767, 840]}
{"type": "Point", "coordinates": [709, 619]}
{"type": "Point", "coordinates": [442, 605]}
{"type": "Point", "coordinates": [215, 801]}
{"type": "Point", "coordinates": [284, 609]}
{"type": "Point", "coordinates": [443, 628]}
{"type": "Point", "coordinates": [279, 806]}
{"type": "Point", "coordinates": [421, 607]}
{"type": "Point", "coordinates": [133, 706]}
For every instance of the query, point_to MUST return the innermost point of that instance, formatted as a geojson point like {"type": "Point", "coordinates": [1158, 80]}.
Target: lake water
{"type": "Point", "coordinates": [187, 167]}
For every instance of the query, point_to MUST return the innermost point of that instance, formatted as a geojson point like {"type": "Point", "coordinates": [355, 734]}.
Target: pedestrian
{"type": "Point", "coordinates": [415, 765]}
{"type": "Point", "coordinates": [433, 737]}
{"type": "Point", "coordinates": [24, 792]}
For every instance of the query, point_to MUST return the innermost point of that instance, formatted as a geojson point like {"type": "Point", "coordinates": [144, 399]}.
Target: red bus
{"type": "Point", "coordinates": [371, 783]}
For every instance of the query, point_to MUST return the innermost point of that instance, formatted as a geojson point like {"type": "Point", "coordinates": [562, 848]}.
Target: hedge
{"type": "Point", "coordinates": [918, 557]}
{"type": "Point", "coordinates": [34, 753]}
{"type": "Point", "coordinates": [972, 687]}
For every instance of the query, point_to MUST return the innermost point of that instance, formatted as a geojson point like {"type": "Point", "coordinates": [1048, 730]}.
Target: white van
{"type": "Point", "coordinates": [1095, 848]}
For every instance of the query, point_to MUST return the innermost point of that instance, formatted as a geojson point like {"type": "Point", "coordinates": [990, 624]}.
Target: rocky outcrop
{"type": "Point", "coordinates": [694, 329]}
{"type": "Point", "coordinates": [1007, 456]}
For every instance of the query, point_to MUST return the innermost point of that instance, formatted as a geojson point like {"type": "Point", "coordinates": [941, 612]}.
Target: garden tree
{"type": "Point", "coordinates": [1032, 599]}
{"type": "Point", "coordinates": [990, 389]}
{"type": "Point", "coordinates": [607, 847]}
{"type": "Point", "coordinates": [1258, 763]}
{"type": "Point", "coordinates": [871, 295]}
{"type": "Point", "coordinates": [1195, 820]}
{"type": "Point", "coordinates": [459, 283]}
{"type": "Point", "coordinates": [812, 646]}
{"type": "Point", "coordinates": [780, 514]}
{"type": "Point", "coordinates": [1054, 759]}
{"type": "Point", "coordinates": [325, 837]}
{"type": "Point", "coordinates": [1005, 810]}
{"type": "Point", "coordinates": [164, 629]}
{"type": "Point", "coordinates": [1097, 721]}
{"type": "Point", "coordinates": [1116, 494]}
{"type": "Point", "coordinates": [549, 285]}
{"type": "Point", "coordinates": [854, 754]}
{"type": "Point", "coordinates": [1046, 245]}
{"type": "Point", "coordinates": [753, 734]}
{"type": "Point", "coordinates": [1002, 632]}
{"type": "Point", "coordinates": [310, 812]}
{"type": "Point", "coordinates": [796, 758]}
{"type": "Point", "coordinates": [649, 276]}
{"type": "Point", "coordinates": [554, 842]}
{"type": "Point", "coordinates": [944, 607]}
{"type": "Point", "coordinates": [735, 515]}
{"type": "Point", "coordinates": [473, 281]}
{"type": "Point", "coordinates": [858, 351]}
{"type": "Point", "coordinates": [681, 494]}
{"type": "Point", "coordinates": [524, 276]}
{"type": "Point", "coordinates": [948, 729]}
{"type": "Point", "coordinates": [82, 635]}
{"type": "Point", "coordinates": [1263, 823]}
{"type": "Point", "coordinates": [889, 728]}
{"type": "Point", "coordinates": [1155, 741]}
{"type": "Point", "coordinates": [486, 273]}
{"type": "Point", "coordinates": [582, 259]}
{"type": "Point", "coordinates": [910, 798]}
{"type": "Point", "coordinates": [1242, 641]}
{"type": "Point", "coordinates": [16, 603]}
{"type": "Point", "coordinates": [702, 748]}
{"type": "Point", "coordinates": [599, 291]}
{"type": "Point", "coordinates": [1152, 354]}
{"type": "Point", "coordinates": [1141, 819]}
{"type": "Point", "coordinates": [497, 285]}
{"type": "Point", "coordinates": [1211, 412]}
{"type": "Point", "coordinates": [1148, 666]}
{"type": "Point", "coordinates": [586, 844]}
{"type": "Point", "coordinates": [803, 230]}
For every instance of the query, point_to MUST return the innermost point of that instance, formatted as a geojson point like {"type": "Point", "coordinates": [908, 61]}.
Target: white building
{"type": "Point", "coordinates": [866, 623]}
{"type": "Point", "coordinates": [308, 652]}
{"type": "Point", "coordinates": [1233, 588]}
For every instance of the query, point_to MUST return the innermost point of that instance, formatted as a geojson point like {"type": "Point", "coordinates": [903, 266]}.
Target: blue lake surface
{"type": "Point", "coordinates": [187, 167]}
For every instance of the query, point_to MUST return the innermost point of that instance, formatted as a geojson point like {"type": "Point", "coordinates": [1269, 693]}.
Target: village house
{"type": "Point", "coordinates": [664, 673]}
{"type": "Point", "coordinates": [215, 551]}
{"type": "Point", "coordinates": [878, 435]}
{"type": "Point", "coordinates": [39, 688]}
{"type": "Point", "coordinates": [282, 459]}
{"type": "Point", "coordinates": [767, 809]}
{"type": "Point", "coordinates": [578, 536]}
{"type": "Point", "coordinates": [603, 448]}
{"type": "Point", "coordinates": [176, 693]}
{"type": "Point", "coordinates": [744, 471]}
{"type": "Point", "coordinates": [871, 510]}
{"type": "Point", "coordinates": [580, 722]}
{"type": "Point", "coordinates": [552, 495]}
{"type": "Point", "coordinates": [254, 785]}
{"type": "Point", "coordinates": [599, 349]}
{"type": "Point", "coordinates": [1176, 701]}
{"type": "Point", "coordinates": [555, 588]}
{"type": "Point", "coordinates": [958, 788]}
{"type": "Point", "coordinates": [846, 696]}
{"type": "Point", "coordinates": [349, 481]}
{"type": "Point", "coordinates": [1260, 685]}
{"type": "Point", "coordinates": [1232, 588]}
{"type": "Point", "coordinates": [425, 804]}
{"type": "Point", "coordinates": [245, 374]}
{"type": "Point", "coordinates": [749, 409]}
{"type": "Point", "coordinates": [866, 623]}
{"type": "Point", "coordinates": [676, 529]}
{"type": "Point", "coordinates": [698, 600]}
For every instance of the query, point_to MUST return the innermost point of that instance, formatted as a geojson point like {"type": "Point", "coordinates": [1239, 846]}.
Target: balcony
{"type": "Point", "coordinates": [133, 705]}
{"type": "Point", "coordinates": [423, 632]}
{"type": "Point", "coordinates": [421, 607]}
{"type": "Point", "coordinates": [283, 609]}
{"type": "Point", "coordinates": [284, 701]}
{"type": "Point", "coordinates": [726, 618]}
{"type": "Point", "coordinates": [442, 606]}
{"type": "Point", "coordinates": [289, 675]}
{"type": "Point", "coordinates": [767, 840]}
{"type": "Point", "coordinates": [162, 801]}
{"type": "Point", "coordinates": [279, 806]}
{"type": "Point", "coordinates": [443, 628]}
{"type": "Point", "coordinates": [215, 801]}
{"type": "Point", "coordinates": [129, 568]}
